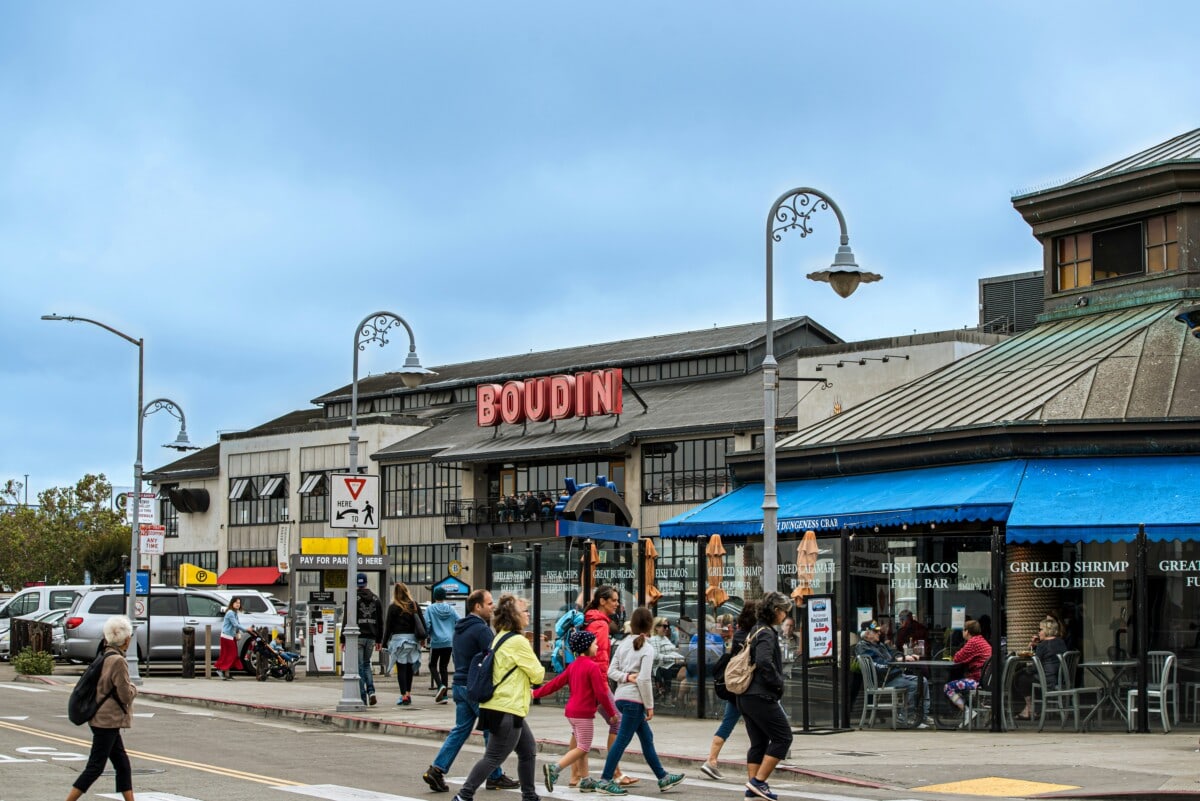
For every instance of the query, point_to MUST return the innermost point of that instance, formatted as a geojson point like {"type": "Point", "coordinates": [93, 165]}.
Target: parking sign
{"type": "Point", "coordinates": [353, 501]}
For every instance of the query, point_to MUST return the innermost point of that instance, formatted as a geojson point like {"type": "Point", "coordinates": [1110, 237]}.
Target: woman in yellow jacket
{"type": "Point", "coordinates": [514, 669]}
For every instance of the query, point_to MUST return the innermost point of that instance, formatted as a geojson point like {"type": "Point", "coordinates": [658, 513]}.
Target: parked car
{"type": "Point", "coordinates": [170, 609]}
{"type": "Point", "coordinates": [36, 600]}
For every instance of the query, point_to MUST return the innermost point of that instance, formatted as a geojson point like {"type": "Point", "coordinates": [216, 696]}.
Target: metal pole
{"type": "Point", "coordinates": [781, 218]}
{"type": "Point", "coordinates": [999, 703]}
{"type": "Point", "coordinates": [1141, 618]}
{"type": "Point", "coordinates": [134, 562]}
{"type": "Point", "coordinates": [351, 700]}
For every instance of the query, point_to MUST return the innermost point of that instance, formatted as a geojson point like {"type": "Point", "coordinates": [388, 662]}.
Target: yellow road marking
{"type": "Point", "coordinates": [166, 760]}
{"type": "Point", "coordinates": [997, 786]}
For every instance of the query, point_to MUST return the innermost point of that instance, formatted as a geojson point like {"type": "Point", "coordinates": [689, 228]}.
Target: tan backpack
{"type": "Point", "coordinates": [739, 671]}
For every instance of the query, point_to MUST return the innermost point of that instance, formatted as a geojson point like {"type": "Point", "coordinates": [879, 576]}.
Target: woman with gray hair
{"type": "Point", "coordinates": [115, 692]}
{"type": "Point", "coordinates": [766, 724]}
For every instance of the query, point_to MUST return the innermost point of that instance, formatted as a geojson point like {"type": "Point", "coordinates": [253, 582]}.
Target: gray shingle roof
{"type": "Point", "coordinates": [199, 464]}
{"type": "Point", "coordinates": [1181, 149]}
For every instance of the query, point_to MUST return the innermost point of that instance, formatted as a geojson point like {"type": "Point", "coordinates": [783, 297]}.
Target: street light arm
{"type": "Point", "coordinates": [109, 328]}
{"type": "Point", "coordinates": [165, 404]}
{"type": "Point", "coordinates": [795, 207]}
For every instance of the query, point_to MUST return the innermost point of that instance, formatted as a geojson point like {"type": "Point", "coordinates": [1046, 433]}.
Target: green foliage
{"type": "Point", "coordinates": [102, 556]}
{"type": "Point", "coordinates": [48, 542]}
{"type": "Point", "coordinates": [33, 663]}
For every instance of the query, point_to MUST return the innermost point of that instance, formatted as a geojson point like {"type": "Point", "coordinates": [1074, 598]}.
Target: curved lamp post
{"type": "Point", "coordinates": [373, 328]}
{"type": "Point", "coordinates": [181, 443]}
{"type": "Point", "coordinates": [792, 212]}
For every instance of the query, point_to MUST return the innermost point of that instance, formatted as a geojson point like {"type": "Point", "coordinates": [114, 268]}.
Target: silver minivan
{"type": "Point", "coordinates": [170, 609]}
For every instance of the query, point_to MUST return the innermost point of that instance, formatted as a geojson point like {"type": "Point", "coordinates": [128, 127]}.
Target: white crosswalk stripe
{"type": "Point", "coordinates": [22, 688]}
{"type": "Point", "coordinates": [150, 796]}
{"type": "Point", "coordinates": [336, 792]}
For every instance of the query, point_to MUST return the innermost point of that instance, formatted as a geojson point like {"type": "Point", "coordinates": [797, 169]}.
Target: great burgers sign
{"type": "Point", "coordinates": [554, 397]}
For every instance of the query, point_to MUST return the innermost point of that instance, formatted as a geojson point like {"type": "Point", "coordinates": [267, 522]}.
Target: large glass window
{"type": "Point", "coordinates": [262, 557]}
{"type": "Point", "coordinates": [314, 496]}
{"type": "Point", "coordinates": [255, 500]}
{"type": "Point", "coordinates": [421, 565]}
{"type": "Point", "coordinates": [687, 470]}
{"type": "Point", "coordinates": [421, 490]}
{"type": "Point", "coordinates": [168, 515]}
{"type": "Point", "coordinates": [1147, 246]}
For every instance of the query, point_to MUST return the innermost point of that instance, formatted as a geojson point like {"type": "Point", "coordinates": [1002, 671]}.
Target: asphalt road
{"type": "Point", "coordinates": [181, 754]}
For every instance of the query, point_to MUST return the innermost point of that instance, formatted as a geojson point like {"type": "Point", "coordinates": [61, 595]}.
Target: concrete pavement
{"type": "Point", "coordinates": [1023, 763]}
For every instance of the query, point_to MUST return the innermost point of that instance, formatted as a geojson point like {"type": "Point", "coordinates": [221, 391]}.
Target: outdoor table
{"type": "Point", "coordinates": [941, 672]}
{"type": "Point", "coordinates": [1109, 672]}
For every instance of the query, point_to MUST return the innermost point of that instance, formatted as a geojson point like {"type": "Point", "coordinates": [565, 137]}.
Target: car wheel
{"type": "Point", "coordinates": [249, 658]}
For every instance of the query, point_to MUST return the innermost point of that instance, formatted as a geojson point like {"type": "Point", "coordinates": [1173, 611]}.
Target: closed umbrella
{"type": "Point", "coordinates": [715, 551]}
{"type": "Point", "coordinates": [651, 564]}
{"type": "Point", "coordinates": [806, 566]}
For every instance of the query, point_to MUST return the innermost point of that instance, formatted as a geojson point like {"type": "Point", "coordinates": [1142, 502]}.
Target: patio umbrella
{"type": "Point", "coordinates": [806, 564]}
{"type": "Point", "coordinates": [652, 592]}
{"type": "Point", "coordinates": [590, 558]}
{"type": "Point", "coordinates": [715, 551]}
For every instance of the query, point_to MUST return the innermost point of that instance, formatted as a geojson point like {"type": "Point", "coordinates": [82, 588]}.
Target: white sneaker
{"type": "Point", "coordinates": [711, 771]}
{"type": "Point", "coordinates": [968, 716]}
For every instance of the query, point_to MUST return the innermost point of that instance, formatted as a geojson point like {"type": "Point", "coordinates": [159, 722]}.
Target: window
{"type": "Point", "coordinates": [421, 564]}
{"type": "Point", "coordinates": [694, 471]}
{"type": "Point", "coordinates": [62, 599]}
{"type": "Point", "coordinates": [420, 490]}
{"type": "Point", "coordinates": [255, 500]}
{"type": "Point", "coordinates": [168, 567]}
{"type": "Point", "coordinates": [168, 515]}
{"type": "Point", "coordinates": [111, 604]}
{"type": "Point", "coordinates": [1145, 247]}
{"type": "Point", "coordinates": [163, 605]}
{"type": "Point", "coordinates": [314, 497]}
{"type": "Point", "coordinates": [203, 606]}
{"type": "Point", "coordinates": [264, 557]}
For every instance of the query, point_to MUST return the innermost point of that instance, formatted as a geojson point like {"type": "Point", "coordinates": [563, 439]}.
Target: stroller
{"type": "Point", "coordinates": [269, 663]}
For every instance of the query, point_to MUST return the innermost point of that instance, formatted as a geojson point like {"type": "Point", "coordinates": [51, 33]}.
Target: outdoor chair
{"type": "Point", "coordinates": [1161, 689]}
{"type": "Point", "coordinates": [877, 698]}
{"type": "Point", "coordinates": [981, 701]}
{"type": "Point", "coordinates": [1062, 699]}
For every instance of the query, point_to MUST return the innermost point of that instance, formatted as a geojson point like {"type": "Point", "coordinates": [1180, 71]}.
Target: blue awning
{"type": "Point", "coordinates": [1105, 499]}
{"type": "Point", "coordinates": [956, 493]}
{"type": "Point", "coordinates": [594, 531]}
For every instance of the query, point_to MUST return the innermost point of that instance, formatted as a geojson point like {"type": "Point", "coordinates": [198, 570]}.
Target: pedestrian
{"type": "Point", "coordinates": [515, 669]}
{"type": "Point", "coordinates": [766, 723]}
{"type": "Point", "coordinates": [472, 636]}
{"type": "Point", "coordinates": [589, 692]}
{"type": "Point", "coordinates": [440, 619]}
{"type": "Point", "coordinates": [116, 692]}
{"type": "Point", "coordinates": [369, 611]}
{"type": "Point", "coordinates": [632, 668]}
{"type": "Point", "coordinates": [403, 633]}
{"type": "Point", "coordinates": [227, 658]}
{"type": "Point", "coordinates": [745, 624]}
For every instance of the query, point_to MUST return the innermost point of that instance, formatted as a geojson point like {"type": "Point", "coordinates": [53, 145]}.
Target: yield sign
{"type": "Point", "coordinates": [353, 501]}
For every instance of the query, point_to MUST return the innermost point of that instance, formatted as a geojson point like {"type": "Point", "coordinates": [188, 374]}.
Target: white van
{"type": "Point", "coordinates": [35, 600]}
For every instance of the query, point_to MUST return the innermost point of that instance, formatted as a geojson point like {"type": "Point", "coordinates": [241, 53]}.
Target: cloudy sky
{"type": "Point", "coordinates": [241, 183]}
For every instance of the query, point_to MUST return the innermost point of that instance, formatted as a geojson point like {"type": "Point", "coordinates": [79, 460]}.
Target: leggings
{"type": "Point", "coordinates": [439, 660]}
{"type": "Point", "coordinates": [404, 675]}
{"type": "Point", "coordinates": [508, 734]}
{"type": "Point", "coordinates": [107, 746]}
{"type": "Point", "coordinates": [768, 728]}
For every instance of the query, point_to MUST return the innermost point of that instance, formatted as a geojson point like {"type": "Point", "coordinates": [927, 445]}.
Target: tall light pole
{"type": "Point", "coordinates": [373, 328]}
{"type": "Point", "coordinates": [181, 443]}
{"type": "Point", "coordinates": [791, 212]}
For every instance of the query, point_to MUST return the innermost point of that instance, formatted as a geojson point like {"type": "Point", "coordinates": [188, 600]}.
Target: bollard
{"type": "Point", "coordinates": [188, 669]}
{"type": "Point", "coordinates": [208, 650]}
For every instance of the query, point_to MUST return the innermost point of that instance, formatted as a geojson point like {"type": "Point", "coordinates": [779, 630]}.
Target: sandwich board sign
{"type": "Point", "coordinates": [353, 501]}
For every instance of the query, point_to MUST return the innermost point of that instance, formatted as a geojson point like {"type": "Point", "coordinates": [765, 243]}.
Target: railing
{"type": "Point", "coordinates": [469, 511]}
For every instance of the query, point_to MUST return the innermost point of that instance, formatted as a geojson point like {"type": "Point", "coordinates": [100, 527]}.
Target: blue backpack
{"type": "Point", "coordinates": [481, 685]}
{"type": "Point", "coordinates": [561, 655]}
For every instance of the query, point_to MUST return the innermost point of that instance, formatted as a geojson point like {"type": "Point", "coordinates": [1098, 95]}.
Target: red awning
{"type": "Point", "coordinates": [249, 576]}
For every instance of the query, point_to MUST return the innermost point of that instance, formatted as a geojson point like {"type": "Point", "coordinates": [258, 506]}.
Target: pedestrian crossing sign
{"type": "Point", "coordinates": [353, 501]}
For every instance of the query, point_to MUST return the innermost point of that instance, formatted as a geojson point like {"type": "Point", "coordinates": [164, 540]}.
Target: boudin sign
{"type": "Point", "coordinates": [554, 397]}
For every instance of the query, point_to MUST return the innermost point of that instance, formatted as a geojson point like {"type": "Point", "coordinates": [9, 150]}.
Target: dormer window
{"type": "Point", "coordinates": [1145, 247]}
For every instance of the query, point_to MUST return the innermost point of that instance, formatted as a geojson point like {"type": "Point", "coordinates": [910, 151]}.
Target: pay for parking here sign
{"type": "Point", "coordinates": [353, 501]}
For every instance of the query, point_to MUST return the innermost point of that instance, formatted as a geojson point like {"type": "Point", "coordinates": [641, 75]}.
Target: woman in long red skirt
{"type": "Point", "coordinates": [227, 660]}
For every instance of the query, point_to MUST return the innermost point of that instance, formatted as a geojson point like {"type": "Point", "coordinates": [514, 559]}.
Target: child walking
{"type": "Point", "coordinates": [589, 691]}
{"type": "Point", "coordinates": [632, 667]}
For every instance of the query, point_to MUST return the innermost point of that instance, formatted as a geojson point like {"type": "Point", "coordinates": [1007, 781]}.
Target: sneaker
{"type": "Point", "coordinates": [968, 716]}
{"type": "Point", "coordinates": [922, 725]}
{"type": "Point", "coordinates": [761, 789]}
{"type": "Point", "coordinates": [669, 781]}
{"type": "Point", "coordinates": [406, 699]}
{"type": "Point", "coordinates": [929, 721]}
{"type": "Point", "coordinates": [587, 785]}
{"type": "Point", "coordinates": [609, 787]}
{"type": "Point", "coordinates": [400, 701]}
{"type": "Point", "coordinates": [440, 698]}
{"type": "Point", "coordinates": [436, 779]}
{"type": "Point", "coordinates": [711, 771]}
{"type": "Point", "coordinates": [550, 774]}
{"type": "Point", "coordinates": [503, 782]}
{"type": "Point", "coordinates": [372, 700]}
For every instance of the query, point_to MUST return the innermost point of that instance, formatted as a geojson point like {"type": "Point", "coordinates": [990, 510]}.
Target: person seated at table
{"type": "Point", "coordinates": [1049, 648]}
{"type": "Point", "coordinates": [668, 662]}
{"type": "Point", "coordinates": [882, 657]}
{"type": "Point", "coordinates": [974, 654]}
{"type": "Point", "coordinates": [911, 631]}
{"type": "Point", "coordinates": [714, 648]}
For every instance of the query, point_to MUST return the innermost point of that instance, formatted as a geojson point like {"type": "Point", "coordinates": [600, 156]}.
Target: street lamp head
{"type": "Point", "coordinates": [412, 373]}
{"type": "Point", "coordinates": [1191, 318]}
{"type": "Point", "coordinates": [53, 317]}
{"type": "Point", "coordinates": [182, 443]}
{"type": "Point", "coordinates": [844, 275]}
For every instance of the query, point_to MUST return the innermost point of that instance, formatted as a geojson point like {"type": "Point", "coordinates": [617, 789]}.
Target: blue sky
{"type": "Point", "coordinates": [240, 184]}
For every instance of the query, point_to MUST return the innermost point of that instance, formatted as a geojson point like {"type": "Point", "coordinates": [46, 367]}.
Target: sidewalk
{"type": "Point", "coordinates": [1022, 763]}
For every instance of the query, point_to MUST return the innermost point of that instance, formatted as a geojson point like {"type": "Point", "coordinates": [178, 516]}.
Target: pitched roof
{"type": "Point", "coordinates": [199, 464]}
{"type": "Point", "coordinates": [1182, 149]}
{"type": "Point", "coordinates": [1119, 364]}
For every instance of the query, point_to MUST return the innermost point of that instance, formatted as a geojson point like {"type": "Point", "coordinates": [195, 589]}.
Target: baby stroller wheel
{"type": "Point", "coordinates": [290, 676]}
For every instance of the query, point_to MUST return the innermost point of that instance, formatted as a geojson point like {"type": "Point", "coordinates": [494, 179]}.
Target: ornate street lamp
{"type": "Point", "coordinates": [791, 212]}
{"type": "Point", "coordinates": [373, 328]}
{"type": "Point", "coordinates": [181, 443]}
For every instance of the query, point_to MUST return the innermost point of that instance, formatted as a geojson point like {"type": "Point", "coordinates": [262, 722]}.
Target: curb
{"type": "Point", "coordinates": [545, 745]}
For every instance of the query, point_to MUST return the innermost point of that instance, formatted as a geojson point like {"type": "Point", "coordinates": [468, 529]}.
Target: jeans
{"type": "Point", "coordinates": [633, 721]}
{"type": "Point", "coordinates": [465, 714]}
{"type": "Point", "coordinates": [107, 746]}
{"type": "Point", "coordinates": [366, 683]}
{"type": "Point", "coordinates": [513, 734]}
{"type": "Point", "coordinates": [913, 685]}
{"type": "Point", "coordinates": [729, 721]}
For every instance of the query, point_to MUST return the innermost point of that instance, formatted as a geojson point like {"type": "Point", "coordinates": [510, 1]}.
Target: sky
{"type": "Point", "coordinates": [241, 183]}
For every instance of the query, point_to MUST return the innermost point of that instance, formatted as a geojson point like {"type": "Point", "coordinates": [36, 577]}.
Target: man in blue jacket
{"type": "Point", "coordinates": [472, 635]}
